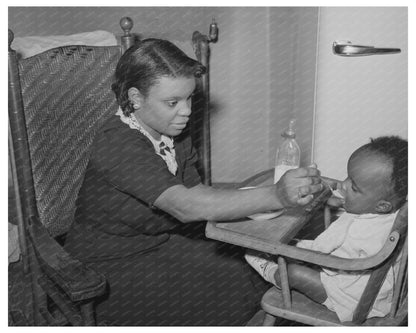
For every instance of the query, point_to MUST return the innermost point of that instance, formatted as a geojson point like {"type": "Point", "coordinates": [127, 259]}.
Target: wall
{"type": "Point", "coordinates": [361, 97]}
{"type": "Point", "coordinates": [261, 78]}
{"type": "Point", "coordinates": [239, 94]}
{"type": "Point", "coordinates": [262, 69]}
{"type": "Point", "coordinates": [293, 40]}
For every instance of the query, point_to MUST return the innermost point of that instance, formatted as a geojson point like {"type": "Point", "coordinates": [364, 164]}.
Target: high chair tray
{"type": "Point", "coordinates": [262, 235]}
{"type": "Point", "coordinates": [265, 235]}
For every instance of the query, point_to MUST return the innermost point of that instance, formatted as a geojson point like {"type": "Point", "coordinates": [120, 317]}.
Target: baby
{"type": "Point", "coordinates": [375, 189]}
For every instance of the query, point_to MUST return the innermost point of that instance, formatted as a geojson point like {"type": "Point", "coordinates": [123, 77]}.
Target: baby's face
{"type": "Point", "coordinates": [368, 182]}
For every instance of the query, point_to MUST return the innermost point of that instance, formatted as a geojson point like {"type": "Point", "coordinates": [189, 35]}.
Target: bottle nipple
{"type": "Point", "coordinates": [290, 132]}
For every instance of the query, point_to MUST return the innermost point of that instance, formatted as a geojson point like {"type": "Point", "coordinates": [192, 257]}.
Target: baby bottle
{"type": "Point", "coordinates": [288, 153]}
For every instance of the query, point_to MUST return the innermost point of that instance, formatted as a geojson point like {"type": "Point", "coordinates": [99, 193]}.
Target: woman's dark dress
{"type": "Point", "coordinates": [159, 271]}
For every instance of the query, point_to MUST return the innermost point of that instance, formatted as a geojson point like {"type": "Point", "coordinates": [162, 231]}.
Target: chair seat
{"type": "Point", "coordinates": [303, 309]}
{"type": "Point", "coordinates": [306, 311]}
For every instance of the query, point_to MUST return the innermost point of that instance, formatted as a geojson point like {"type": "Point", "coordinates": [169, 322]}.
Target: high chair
{"type": "Point", "coordinates": [58, 100]}
{"type": "Point", "coordinates": [294, 306]}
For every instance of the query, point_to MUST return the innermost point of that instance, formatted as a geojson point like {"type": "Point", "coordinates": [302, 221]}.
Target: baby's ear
{"type": "Point", "coordinates": [384, 207]}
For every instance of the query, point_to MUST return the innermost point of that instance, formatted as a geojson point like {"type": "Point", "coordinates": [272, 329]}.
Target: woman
{"type": "Point", "coordinates": [141, 183]}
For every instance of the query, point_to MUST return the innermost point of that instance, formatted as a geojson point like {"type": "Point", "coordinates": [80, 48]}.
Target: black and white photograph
{"type": "Point", "coordinates": [208, 165]}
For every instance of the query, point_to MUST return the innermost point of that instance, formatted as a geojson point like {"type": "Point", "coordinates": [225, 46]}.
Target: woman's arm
{"type": "Point", "coordinates": [206, 203]}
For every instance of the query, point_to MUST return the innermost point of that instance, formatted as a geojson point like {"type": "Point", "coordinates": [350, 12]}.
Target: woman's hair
{"type": "Point", "coordinates": [395, 150]}
{"type": "Point", "coordinates": [142, 65]}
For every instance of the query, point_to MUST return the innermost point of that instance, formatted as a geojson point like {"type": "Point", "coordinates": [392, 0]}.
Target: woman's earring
{"type": "Point", "coordinates": [136, 106]}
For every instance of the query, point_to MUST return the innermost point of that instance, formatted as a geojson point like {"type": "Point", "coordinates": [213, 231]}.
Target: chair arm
{"type": "Point", "coordinates": [77, 280]}
{"type": "Point", "coordinates": [226, 186]}
{"type": "Point", "coordinates": [331, 261]}
{"type": "Point", "coordinates": [258, 178]}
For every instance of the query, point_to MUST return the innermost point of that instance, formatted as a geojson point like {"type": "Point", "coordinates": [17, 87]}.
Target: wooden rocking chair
{"type": "Point", "coordinates": [58, 100]}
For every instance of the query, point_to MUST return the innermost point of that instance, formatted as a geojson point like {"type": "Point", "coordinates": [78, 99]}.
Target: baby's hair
{"type": "Point", "coordinates": [395, 149]}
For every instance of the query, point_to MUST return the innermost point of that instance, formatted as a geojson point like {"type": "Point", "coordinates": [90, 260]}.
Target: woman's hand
{"type": "Point", "coordinates": [297, 186]}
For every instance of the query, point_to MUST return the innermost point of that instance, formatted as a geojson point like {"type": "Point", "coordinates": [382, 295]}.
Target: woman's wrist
{"type": "Point", "coordinates": [278, 198]}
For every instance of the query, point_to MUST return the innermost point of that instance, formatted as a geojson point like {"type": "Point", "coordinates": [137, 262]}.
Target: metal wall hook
{"type": "Point", "coordinates": [347, 49]}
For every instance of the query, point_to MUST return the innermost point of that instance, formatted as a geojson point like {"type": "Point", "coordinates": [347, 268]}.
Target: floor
{"type": "Point", "coordinates": [257, 320]}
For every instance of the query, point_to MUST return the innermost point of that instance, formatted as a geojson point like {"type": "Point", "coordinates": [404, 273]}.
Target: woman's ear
{"type": "Point", "coordinates": [383, 207]}
{"type": "Point", "coordinates": [135, 97]}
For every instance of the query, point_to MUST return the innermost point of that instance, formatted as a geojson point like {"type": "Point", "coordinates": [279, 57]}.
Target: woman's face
{"type": "Point", "coordinates": [167, 107]}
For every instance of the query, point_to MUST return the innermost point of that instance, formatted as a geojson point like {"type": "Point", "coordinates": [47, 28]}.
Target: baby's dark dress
{"type": "Point", "coordinates": [159, 271]}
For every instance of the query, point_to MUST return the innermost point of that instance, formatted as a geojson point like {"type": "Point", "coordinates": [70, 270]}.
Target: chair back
{"type": "Point", "coordinates": [378, 275]}
{"type": "Point", "coordinates": [57, 101]}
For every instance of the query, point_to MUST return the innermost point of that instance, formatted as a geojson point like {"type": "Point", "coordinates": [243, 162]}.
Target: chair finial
{"type": "Point", "coordinates": [213, 31]}
{"type": "Point", "coordinates": [126, 23]}
{"type": "Point", "coordinates": [11, 37]}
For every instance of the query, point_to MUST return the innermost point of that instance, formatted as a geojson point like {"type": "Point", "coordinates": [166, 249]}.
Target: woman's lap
{"type": "Point", "coordinates": [183, 282]}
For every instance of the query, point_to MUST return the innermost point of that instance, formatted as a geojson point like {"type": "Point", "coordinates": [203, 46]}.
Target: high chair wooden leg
{"type": "Point", "coordinates": [269, 320]}
{"type": "Point", "coordinates": [284, 282]}
{"type": "Point", "coordinates": [327, 216]}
